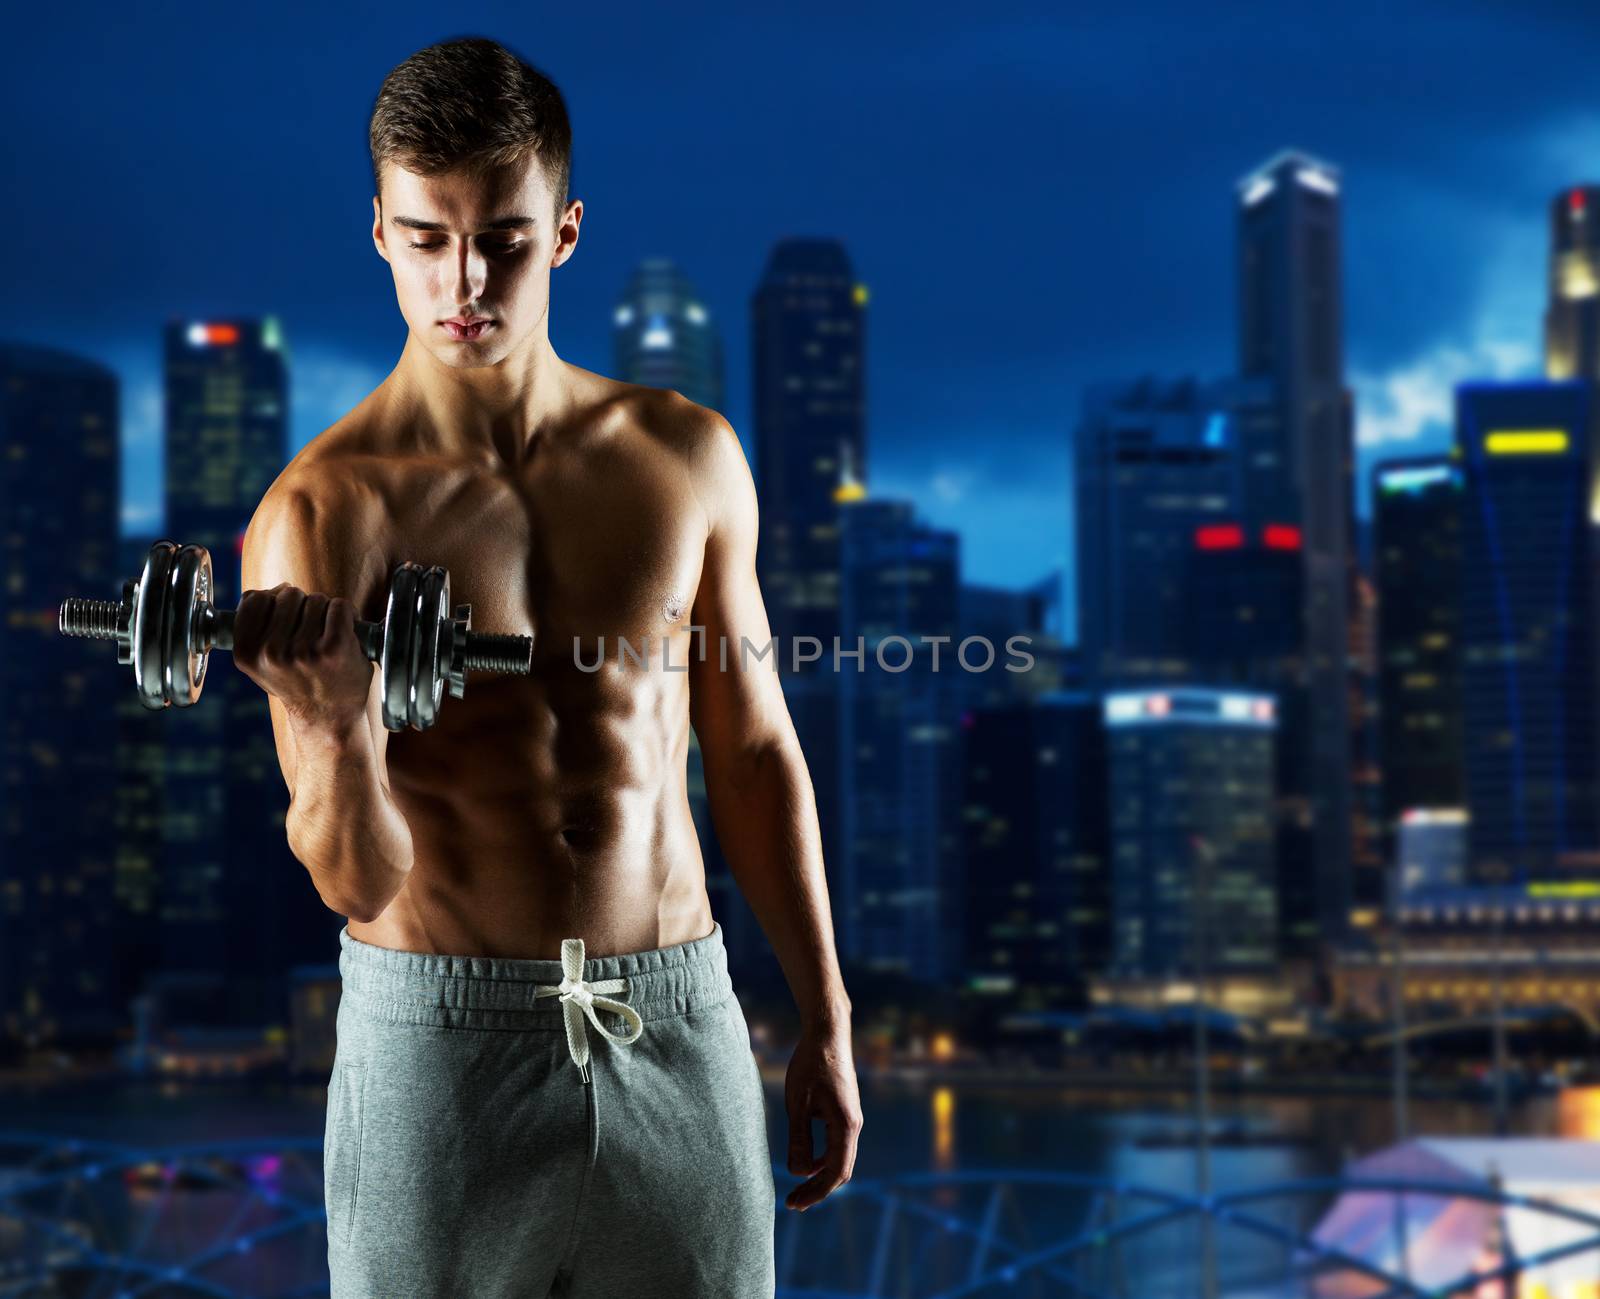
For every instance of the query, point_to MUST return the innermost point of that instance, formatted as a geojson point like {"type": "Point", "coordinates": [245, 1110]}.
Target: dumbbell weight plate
{"type": "Point", "coordinates": [423, 697]}
{"type": "Point", "coordinates": [184, 650]}
{"type": "Point", "coordinates": [145, 636]}
{"type": "Point", "coordinates": [394, 664]}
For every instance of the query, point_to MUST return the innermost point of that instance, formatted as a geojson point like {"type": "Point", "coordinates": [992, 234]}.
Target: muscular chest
{"type": "Point", "coordinates": [563, 556]}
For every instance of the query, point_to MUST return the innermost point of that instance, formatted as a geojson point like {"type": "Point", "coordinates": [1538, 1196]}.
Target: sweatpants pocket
{"type": "Point", "coordinates": [341, 1147]}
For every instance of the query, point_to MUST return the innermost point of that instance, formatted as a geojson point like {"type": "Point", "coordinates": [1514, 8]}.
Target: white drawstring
{"type": "Point", "coordinates": [579, 999]}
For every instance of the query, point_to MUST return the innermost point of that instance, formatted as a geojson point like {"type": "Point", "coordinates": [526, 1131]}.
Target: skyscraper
{"type": "Point", "coordinates": [1528, 629]}
{"type": "Point", "coordinates": [227, 431]}
{"type": "Point", "coordinates": [1037, 900]}
{"type": "Point", "coordinates": [59, 498]}
{"type": "Point", "coordinates": [808, 343]}
{"type": "Point", "coordinates": [1298, 471]}
{"type": "Point", "coordinates": [1572, 318]}
{"type": "Point", "coordinates": [1367, 840]}
{"type": "Point", "coordinates": [899, 842]}
{"type": "Point", "coordinates": [1417, 517]}
{"type": "Point", "coordinates": [998, 614]}
{"type": "Point", "coordinates": [1155, 463]}
{"type": "Point", "coordinates": [226, 853]}
{"type": "Point", "coordinates": [663, 336]}
{"type": "Point", "coordinates": [808, 372]}
{"type": "Point", "coordinates": [1191, 772]}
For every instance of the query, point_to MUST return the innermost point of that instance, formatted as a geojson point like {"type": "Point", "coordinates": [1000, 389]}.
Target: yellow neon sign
{"type": "Point", "coordinates": [1564, 889]}
{"type": "Point", "coordinates": [1526, 442]}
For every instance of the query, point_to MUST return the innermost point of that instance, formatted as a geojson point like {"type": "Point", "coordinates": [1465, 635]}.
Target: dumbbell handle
{"type": "Point", "coordinates": [97, 620]}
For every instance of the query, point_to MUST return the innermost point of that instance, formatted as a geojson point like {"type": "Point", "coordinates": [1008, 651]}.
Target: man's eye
{"type": "Point", "coordinates": [502, 246]}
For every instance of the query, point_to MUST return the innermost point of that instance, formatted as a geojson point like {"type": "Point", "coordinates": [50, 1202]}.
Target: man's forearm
{"type": "Point", "coordinates": [766, 819]}
{"type": "Point", "coordinates": [343, 824]}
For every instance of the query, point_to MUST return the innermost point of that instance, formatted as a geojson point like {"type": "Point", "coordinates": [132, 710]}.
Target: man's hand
{"type": "Point", "coordinates": [821, 1083]}
{"type": "Point", "coordinates": [303, 650]}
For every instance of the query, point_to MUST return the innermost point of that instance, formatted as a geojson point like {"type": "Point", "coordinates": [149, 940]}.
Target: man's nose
{"type": "Point", "coordinates": [472, 269]}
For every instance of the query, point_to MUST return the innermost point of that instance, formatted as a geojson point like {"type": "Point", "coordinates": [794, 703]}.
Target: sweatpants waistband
{"type": "Point", "coordinates": [502, 992]}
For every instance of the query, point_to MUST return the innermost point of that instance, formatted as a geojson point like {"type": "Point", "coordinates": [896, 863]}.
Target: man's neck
{"type": "Point", "coordinates": [500, 409]}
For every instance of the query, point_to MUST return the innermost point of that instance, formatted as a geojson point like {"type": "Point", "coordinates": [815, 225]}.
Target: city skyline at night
{"type": "Point", "coordinates": [1035, 203]}
{"type": "Point", "coordinates": [1176, 431]}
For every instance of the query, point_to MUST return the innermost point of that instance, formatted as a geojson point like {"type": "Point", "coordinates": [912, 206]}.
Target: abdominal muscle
{"type": "Point", "coordinates": [522, 838]}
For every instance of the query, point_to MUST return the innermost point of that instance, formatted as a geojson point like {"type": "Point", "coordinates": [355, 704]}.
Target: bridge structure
{"type": "Point", "coordinates": [244, 1220]}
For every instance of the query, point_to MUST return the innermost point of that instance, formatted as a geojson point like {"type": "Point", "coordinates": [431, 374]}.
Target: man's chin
{"type": "Point", "coordinates": [467, 356]}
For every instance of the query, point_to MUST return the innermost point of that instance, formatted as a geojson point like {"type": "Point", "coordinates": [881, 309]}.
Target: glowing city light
{"type": "Point", "coordinates": [1237, 707]}
{"type": "Point", "coordinates": [1414, 478]}
{"type": "Point", "coordinates": [1219, 536]}
{"type": "Point", "coordinates": [1317, 180]}
{"type": "Point", "coordinates": [1433, 816]}
{"type": "Point", "coordinates": [1188, 706]}
{"type": "Point", "coordinates": [1258, 189]}
{"type": "Point", "coordinates": [1526, 442]}
{"type": "Point", "coordinates": [201, 334]}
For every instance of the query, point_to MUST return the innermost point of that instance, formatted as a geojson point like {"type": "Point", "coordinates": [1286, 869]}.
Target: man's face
{"type": "Point", "coordinates": [475, 249]}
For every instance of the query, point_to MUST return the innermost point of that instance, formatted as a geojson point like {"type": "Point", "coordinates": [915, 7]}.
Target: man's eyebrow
{"type": "Point", "coordinates": [499, 223]}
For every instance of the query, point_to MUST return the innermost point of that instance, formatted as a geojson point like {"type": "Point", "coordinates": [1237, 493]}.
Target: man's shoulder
{"type": "Point", "coordinates": [697, 434]}
{"type": "Point", "coordinates": [327, 491]}
{"type": "Point", "coordinates": [702, 441]}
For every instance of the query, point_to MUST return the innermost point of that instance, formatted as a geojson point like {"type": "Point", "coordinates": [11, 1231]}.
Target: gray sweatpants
{"type": "Point", "coordinates": [489, 1140]}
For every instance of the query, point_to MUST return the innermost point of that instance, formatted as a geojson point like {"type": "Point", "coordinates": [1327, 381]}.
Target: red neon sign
{"type": "Point", "coordinates": [1281, 536]}
{"type": "Point", "coordinates": [1219, 536]}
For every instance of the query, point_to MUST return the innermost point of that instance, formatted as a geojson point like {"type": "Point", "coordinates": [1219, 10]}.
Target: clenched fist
{"type": "Point", "coordinates": [303, 650]}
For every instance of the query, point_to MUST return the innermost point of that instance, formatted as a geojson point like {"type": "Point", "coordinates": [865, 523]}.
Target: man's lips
{"type": "Point", "coordinates": [467, 328]}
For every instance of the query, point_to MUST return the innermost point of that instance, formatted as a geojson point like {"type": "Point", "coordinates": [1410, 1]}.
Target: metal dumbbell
{"type": "Point", "coordinates": [166, 625]}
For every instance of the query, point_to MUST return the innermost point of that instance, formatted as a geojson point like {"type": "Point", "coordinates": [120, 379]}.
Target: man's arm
{"type": "Point", "coordinates": [342, 825]}
{"type": "Point", "coordinates": [764, 809]}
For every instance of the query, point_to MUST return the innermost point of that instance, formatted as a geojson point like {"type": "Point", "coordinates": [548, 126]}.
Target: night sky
{"type": "Point", "coordinates": [1037, 198]}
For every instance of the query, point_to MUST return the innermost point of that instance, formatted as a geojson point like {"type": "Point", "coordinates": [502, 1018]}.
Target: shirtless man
{"type": "Point", "coordinates": [498, 1125]}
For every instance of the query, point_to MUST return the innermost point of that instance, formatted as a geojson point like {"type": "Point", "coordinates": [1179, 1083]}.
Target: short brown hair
{"type": "Point", "coordinates": [470, 103]}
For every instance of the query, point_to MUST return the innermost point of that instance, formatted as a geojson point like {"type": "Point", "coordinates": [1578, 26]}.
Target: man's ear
{"type": "Point", "coordinates": [567, 233]}
{"type": "Point", "coordinates": [377, 227]}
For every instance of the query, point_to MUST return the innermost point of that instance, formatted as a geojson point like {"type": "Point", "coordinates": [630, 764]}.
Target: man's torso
{"type": "Point", "coordinates": [553, 805]}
